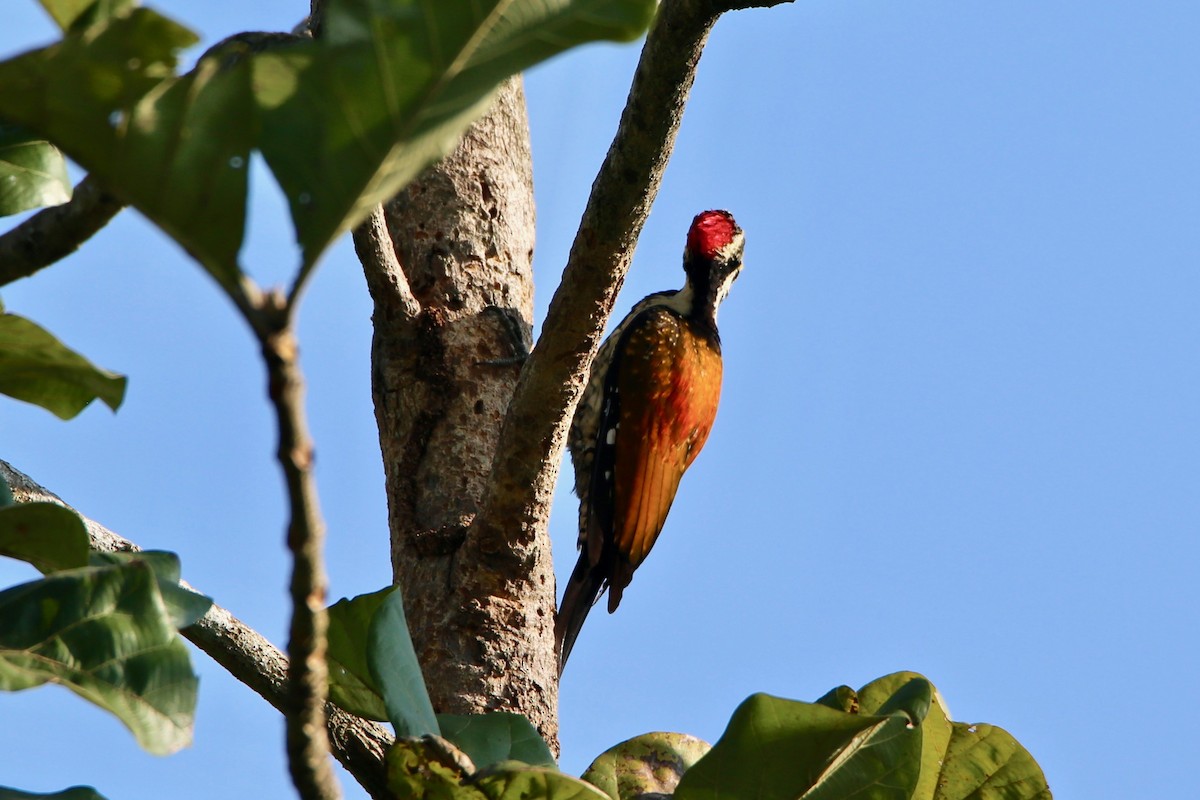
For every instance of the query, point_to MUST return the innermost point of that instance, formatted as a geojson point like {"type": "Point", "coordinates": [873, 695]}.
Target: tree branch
{"type": "Point", "coordinates": [308, 674]}
{"type": "Point", "coordinates": [358, 744]}
{"type": "Point", "coordinates": [374, 247]}
{"type": "Point", "coordinates": [54, 233]}
{"type": "Point", "coordinates": [531, 441]}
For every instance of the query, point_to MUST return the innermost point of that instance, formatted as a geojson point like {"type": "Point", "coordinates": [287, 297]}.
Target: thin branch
{"type": "Point", "coordinates": [624, 189]}
{"type": "Point", "coordinates": [54, 233]}
{"type": "Point", "coordinates": [358, 744]}
{"type": "Point", "coordinates": [373, 245]}
{"type": "Point", "coordinates": [308, 679]}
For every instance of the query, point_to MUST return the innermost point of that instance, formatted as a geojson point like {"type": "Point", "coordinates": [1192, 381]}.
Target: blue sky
{"type": "Point", "coordinates": [960, 429]}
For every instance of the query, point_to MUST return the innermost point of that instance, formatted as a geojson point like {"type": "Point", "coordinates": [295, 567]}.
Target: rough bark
{"type": "Point", "coordinates": [453, 319]}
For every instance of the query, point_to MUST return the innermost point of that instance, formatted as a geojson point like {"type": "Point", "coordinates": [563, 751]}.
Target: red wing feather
{"type": "Point", "coordinates": [669, 383]}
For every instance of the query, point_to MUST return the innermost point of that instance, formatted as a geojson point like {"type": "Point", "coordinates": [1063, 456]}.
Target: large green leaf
{"type": "Point", "coordinates": [74, 13]}
{"type": "Point", "coordinates": [485, 738]}
{"type": "Point", "coordinates": [984, 762]}
{"type": "Point", "coordinates": [496, 736]}
{"type": "Point", "coordinates": [74, 793]}
{"type": "Point", "coordinates": [184, 605]}
{"type": "Point", "coordinates": [195, 131]}
{"type": "Point", "coordinates": [515, 781]}
{"type": "Point", "coordinates": [33, 173]}
{"type": "Point", "coordinates": [891, 739]}
{"type": "Point", "coordinates": [350, 683]}
{"type": "Point", "coordinates": [394, 668]}
{"type": "Point", "coordinates": [39, 369]}
{"type": "Point", "coordinates": [177, 148]}
{"type": "Point", "coordinates": [775, 748]}
{"type": "Point", "coordinates": [651, 763]}
{"type": "Point", "coordinates": [373, 668]}
{"type": "Point", "coordinates": [935, 729]}
{"type": "Point", "coordinates": [425, 768]}
{"type": "Point", "coordinates": [349, 120]}
{"type": "Point", "coordinates": [961, 761]}
{"type": "Point", "coordinates": [45, 535]}
{"type": "Point", "coordinates": [104, 633]}
{"type": "Point", "coordinates": [344, 122]}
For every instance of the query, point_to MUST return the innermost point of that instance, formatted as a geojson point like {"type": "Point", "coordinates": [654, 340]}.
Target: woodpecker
{"type": "Point", "coordinates": [648, 406]}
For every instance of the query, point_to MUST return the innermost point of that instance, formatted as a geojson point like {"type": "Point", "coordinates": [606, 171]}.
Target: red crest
{"type": "Point", "coordinates": [711, 232]}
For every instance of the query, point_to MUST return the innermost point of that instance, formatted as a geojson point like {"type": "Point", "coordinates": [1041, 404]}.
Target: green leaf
{"type": "Point", "coordinates": [39, 369]}
{"type": "Point", "coordinates": [496, 736]}
{"type": "Point", "coordinates": [192, 137]}
{"type": "Point", "coordinates": [344, 122]}
{"type": "Point", "coordinates": [33, 173]}
{"type": "Point", "coordinates": [984, 762]}
{"type": "Point", "coordinates": [349, 120]}
{"type": "Point", "coordinates": [184, 606]}
{"type": "Point", "coordinates": [935, 729]}
{"type": "Point", "coordinates": [373, 669]}
{"type": "Point", "coordinates": [45, 535]}
{"type": "Point", "coordinates": [425, 768]}
{"type": "Point", "coordinates": [177, 148]}
{"type": "Point", "coordinates": [513, 781]}
{"type": "Point", "coordinates": [775, 748]}
{"type": "Point", "coordinates": [350, 683]}
{"type": "Point", "coordinates": [891, 739]}
{"type": "Point", "coordinates": [74, 793]}
{"type": "Point", "coordinates": [74, 13]}
{"type": "Point", "coordinates": [842, 698]}
{"type": "Point", "coordinates": [105, 634]}
{"type": "Point", "coordinates": [394, 668]}
{"type": "Point", "coordinates": [79, 91]}
{"type": "Point", "coordinates": [960, 760]}
{"type": "Point", "coordinates": [651, 763]}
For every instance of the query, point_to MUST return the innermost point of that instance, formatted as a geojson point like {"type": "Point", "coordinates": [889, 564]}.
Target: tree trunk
{"type": "Point", "coordinates": [453, 321]}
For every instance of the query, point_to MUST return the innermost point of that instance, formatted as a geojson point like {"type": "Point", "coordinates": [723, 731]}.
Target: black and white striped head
{"type": "Point", "coordinates": [712, 259]}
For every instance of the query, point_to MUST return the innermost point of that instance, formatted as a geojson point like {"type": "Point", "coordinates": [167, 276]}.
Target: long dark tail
{"type": "Point", "coordinates": [584, 587]}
